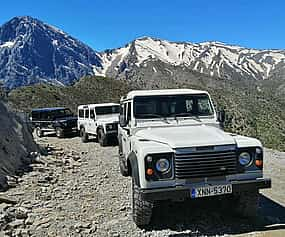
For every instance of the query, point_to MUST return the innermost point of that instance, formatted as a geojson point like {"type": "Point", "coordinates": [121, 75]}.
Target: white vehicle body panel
{"type": "Point", "coordinates": [91, 125]}
{"type": "Point", "coordinates": [164, 135]}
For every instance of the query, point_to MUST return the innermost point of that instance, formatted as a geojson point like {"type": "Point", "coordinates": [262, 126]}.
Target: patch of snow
{"type": "Point", "coordinates": [57, 30]}
{"type": "Point", "coordinates": [55, 42]}
{"type": "Point", "coordinates": [196, 66]}
{"type": "Point", "coordinates": [166, 69]}
{"type": "Point", "coordinates": [8, 44]}
{"type": "Point", "coordinates": [81, 64]}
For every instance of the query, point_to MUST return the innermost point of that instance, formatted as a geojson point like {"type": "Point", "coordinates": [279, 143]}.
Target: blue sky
{"type": "Point", "coordinates": [113, 23]}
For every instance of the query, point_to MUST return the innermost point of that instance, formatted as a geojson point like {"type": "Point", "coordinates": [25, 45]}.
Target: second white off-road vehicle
{"type": "Point", "coordinates": [99, 120]}
{"type": "Point", "coordinates": [172, 145]}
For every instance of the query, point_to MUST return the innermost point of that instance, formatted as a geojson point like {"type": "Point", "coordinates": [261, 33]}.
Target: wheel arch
{"type": "Point", "coordinates": [132, 163]}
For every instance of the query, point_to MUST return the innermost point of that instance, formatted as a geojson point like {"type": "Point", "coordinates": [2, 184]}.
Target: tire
{"type": "Point", "coordinates": [39, 132]}
{"type": "Point", "coordinates": [123, 166]}
{"type": "Point", "coordinates": [142, 209]}
{"type": "Point", "coordinates": [59, 132]}
{"type": "Point", "coordinates": [102, 138]}
{"type": "Point", "coordinates": [246, 203]}
{"type": "Point", "coordinates": [84, 135]}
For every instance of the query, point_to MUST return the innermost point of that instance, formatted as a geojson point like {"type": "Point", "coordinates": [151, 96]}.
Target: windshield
{"type": "Point", "coordinates": [114, 109]}
{"type": "Point", "coordinates": [51, 114]}
{"type": "Point", "coordinates": [172, 106]}
{"type": "Point", "coordinates": [61, 113]}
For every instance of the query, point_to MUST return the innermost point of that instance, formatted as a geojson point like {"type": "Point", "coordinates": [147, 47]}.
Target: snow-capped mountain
{"type": "Point", "coordinates": [32, 51]}
{"type": "Point", "coordinates": [211, 58]}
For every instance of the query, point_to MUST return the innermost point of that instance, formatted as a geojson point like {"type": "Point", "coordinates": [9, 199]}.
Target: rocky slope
{"type": "Point", "coordinates": [78, 191]}
{"type": "Point", "coordinates": [16, 145]}
{"type": "Point", "coordinates": [32, 52]}
{"type": "Point", "coordinates": [252, 109]}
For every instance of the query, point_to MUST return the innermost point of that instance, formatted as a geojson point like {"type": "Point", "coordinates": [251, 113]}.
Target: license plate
{"type": "Point", "coordinates": [211, 190]}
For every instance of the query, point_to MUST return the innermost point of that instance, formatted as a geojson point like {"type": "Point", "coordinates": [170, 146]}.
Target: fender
{"type": "Point", "coordinates": [135, 169]}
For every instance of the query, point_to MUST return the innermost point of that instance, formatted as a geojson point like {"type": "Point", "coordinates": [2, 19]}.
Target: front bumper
{"type": "Point", "coordinates": [70, 130]}
{"type": "Point", "coordinates": [184, 192]}
{"type": "Point", "coordinates": [112, 133]}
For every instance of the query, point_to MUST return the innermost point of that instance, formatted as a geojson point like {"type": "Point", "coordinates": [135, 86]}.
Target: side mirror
{"type": "Point", "coordinates": [221, 116]}
{"type": "Point", "coordinates": [122, 121]}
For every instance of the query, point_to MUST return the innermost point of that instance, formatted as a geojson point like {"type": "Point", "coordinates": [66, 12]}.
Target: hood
{"type": "Point", "coordinates": [187, 136]}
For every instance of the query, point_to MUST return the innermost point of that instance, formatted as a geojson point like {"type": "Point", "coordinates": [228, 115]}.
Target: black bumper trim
{"type": "Point", "coordinates": [181, 192]}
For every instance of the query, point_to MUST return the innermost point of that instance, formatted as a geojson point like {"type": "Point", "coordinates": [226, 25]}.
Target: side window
{"type": "Point", "coordinates": [129, 112]}
{"type": "Point", "coordinates": [125, 110]}
{"type": "Point", "coordinates": [87, 113]}
{"type": "Point", "coordinates": [92, 114]}
{"type": "Point", "coordinates": [121, 109]}
{"type": "Point", "coordinates": [81, 113]}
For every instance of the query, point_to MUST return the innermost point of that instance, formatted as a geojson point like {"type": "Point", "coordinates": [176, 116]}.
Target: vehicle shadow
{"type": "Point", "coordinates": [207, 217]}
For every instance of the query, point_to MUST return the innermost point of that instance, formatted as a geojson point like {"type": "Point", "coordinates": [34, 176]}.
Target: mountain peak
{"type": "Point", "coordinates": [40, 52]}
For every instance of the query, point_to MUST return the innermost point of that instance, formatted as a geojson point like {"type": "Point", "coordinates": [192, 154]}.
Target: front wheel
{"type": "Point", "coordinates": [83, 135]}
{"type": "Point", "coordinates": [59, 132]}
{"type": "Point", "coordinates": [142, 209]}
{"type": "Point", "coordinates": [39, 132]}
{"type": "Point", "coordinates": [102, 138]}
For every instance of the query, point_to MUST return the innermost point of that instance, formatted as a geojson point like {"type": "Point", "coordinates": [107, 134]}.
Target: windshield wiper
{"type": "Point", "coordinates": [188, 115]}
{"type": "Point", "coordinates": [153, 115]}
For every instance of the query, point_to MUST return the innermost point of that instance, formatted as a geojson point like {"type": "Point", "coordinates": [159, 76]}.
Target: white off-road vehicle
{"type": "Point", "coordinates": [99, 120]}
{"type": "Point", "coordinates": [172, 145]}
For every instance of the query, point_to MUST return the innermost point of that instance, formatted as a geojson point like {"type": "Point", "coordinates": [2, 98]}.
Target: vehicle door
{"type": "Point", "coordinates": [86, 119]}
{"type": "Point", "coordinates": [80, 120]}
{"type": "Point", "coordinates": [125, 131]}
{"type": "Point", "coordinates": [92, 121]}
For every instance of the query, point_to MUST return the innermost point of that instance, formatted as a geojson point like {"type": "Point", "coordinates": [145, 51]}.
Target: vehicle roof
{"type": "Point", "coordinates": [97, 105]}
{"type": "Point", "coordinates": [134, 93]}
{"type": "Point", "coordinates": [48, 109]}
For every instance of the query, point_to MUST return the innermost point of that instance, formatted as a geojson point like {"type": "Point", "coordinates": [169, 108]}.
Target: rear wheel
{"type": "Point", "coordinates": [59, 132]}
{"type": "Point", "coordinates": [39, 132]}
{"type": "Point", "coordinates": [142, 209]}
{"type": "Point", "coordinates": [102, 138]}
{"type": "Point", "coordinates": [84, 135]}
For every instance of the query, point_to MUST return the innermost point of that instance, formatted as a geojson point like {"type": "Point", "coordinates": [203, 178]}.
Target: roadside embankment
{"type": "Point", "coordinates": [16, 145]}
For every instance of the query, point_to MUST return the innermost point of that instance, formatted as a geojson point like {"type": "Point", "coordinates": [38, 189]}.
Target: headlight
{"type": "Point", "coordinates": [64, 124]}
{"type": "Point", "coordinates": [244, 158]}
{"type": "Point", "coordinates": [162, 165]}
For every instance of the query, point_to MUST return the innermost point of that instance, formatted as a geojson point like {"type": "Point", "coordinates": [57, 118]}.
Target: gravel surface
{"type": "Point", "coordinates": [77, 190]}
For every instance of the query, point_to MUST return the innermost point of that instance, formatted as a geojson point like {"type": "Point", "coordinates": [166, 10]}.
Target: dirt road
{"type": "Point", "coordinates": [77, 190]}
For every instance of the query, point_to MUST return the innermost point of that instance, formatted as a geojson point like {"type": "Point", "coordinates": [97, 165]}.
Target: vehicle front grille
{"type": "Point", "coordinates": [72, 123]}
{"type": "Point", "coordinates": [205, 161]}
{"type": "Point", "coordinates": [116, 126]}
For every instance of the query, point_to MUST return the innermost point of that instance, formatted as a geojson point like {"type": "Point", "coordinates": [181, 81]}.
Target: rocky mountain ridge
{"type": "Point", "coordinates": [211, 58]}
{"type": "Point", "coordinates": [32, 51]}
